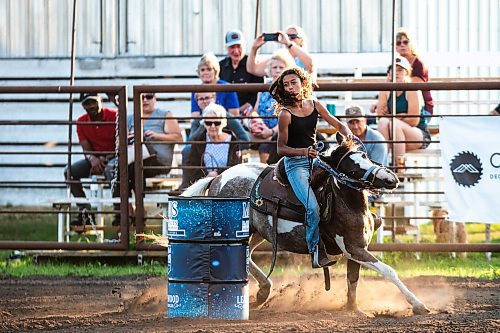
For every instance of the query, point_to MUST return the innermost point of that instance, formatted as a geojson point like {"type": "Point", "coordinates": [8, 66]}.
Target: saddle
{"type": "Point", "coordinates": [273, 195]}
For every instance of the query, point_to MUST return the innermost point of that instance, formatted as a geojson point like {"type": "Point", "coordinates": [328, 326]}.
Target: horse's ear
{"type": "Point", "coordinates": [340, 138]}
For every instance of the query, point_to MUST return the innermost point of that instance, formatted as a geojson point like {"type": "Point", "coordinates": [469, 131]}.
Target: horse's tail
{"type": "Point", "coordinates": [198, 188]}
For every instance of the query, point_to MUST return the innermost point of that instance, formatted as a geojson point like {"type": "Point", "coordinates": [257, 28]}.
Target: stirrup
{"type": "Point", "coordinates": [321, 260]}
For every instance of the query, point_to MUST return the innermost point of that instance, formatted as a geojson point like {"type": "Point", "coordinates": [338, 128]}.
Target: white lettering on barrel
{"type": "Point", "coordinates": [172, 209]}
{"type": "Point", "coordinates": [173, 299]}
{"type": "Point", "coordinates": [246, 210]}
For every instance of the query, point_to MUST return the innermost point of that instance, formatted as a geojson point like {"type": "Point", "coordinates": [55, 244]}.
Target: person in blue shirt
{"type": "Point", "coordinates": [357, 123]}
{"type": "Point", "coordinates": [208, 71]}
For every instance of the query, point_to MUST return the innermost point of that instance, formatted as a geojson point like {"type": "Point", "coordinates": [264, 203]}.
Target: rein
{"type": "Point", "coordinates": [362, 184]}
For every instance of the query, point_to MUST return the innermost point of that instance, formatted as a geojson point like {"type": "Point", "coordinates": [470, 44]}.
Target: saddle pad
{"type": "Point", "coordinates": [269, 195]}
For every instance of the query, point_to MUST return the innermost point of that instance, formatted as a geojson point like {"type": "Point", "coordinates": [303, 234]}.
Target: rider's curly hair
{"type": "Point", "coordinates": [283, 98]}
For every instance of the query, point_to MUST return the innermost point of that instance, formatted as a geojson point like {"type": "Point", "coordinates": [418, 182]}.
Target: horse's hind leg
{"type": "Point", "coordinates": [265, 284]}
{"type": "Point", "coordinates": [365, 258]}
{"type": "Point", "coordinates": [352, 284]}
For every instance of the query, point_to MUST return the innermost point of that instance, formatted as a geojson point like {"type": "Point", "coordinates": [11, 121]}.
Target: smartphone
{"type": "Point", "coordinates": [271, 37]}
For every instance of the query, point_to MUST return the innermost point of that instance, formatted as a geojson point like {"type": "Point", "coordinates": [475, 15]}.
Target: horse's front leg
{"type": "Point", "coordinates": [264, 283]}
{"type": "Point", "coordinates": [365, 258]}
{"type": "Point", "coordinates": [352, 284]}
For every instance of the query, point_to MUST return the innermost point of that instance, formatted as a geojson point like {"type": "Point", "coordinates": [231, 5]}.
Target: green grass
{"type": "Point", "coordinates": [25, 268]}
{"type": "Point", "coordinates": [28, 227]}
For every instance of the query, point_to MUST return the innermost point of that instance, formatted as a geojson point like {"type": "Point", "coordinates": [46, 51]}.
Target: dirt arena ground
{"type": "Point", "coordinates": [138, 304]}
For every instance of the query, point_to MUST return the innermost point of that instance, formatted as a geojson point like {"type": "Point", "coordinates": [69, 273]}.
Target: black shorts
{"type": "Point", "coordinates": [426, 137]}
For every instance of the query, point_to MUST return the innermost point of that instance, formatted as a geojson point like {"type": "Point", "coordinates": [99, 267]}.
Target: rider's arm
{"type": "Point", "coordinates": [339, 126]}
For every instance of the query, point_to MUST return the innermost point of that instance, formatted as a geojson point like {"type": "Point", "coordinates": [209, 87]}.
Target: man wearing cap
{"type": "Point", "coordinates": [356, 122]}
{"type": "Point", "coordinates": [98, 143]}
{"type": "Point", "coordinates": [233, 68]}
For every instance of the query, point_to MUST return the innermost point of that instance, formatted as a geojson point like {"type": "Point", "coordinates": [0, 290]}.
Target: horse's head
{"type": "Point", "coordinates": [351, 161]}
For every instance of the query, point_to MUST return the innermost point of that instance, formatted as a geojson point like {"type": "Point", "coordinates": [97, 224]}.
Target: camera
{"type": "Point", "coordinates": [271, 37]}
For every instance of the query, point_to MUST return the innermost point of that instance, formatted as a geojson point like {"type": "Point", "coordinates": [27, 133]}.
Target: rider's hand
{"type": "Point", "coordinates": [346, 132]}
{"type": "Point", "coordinates": [311, 152]}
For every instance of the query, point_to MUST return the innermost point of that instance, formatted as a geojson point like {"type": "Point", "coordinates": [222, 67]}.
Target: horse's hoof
{"type": "Point", "coordinates": [263, 294]}
{"type": "Point", "coordinates": [420, 309]}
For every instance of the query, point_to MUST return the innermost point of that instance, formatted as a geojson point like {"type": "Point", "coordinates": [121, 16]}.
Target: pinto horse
{"type": "Point", "coordinates": [347, 224]}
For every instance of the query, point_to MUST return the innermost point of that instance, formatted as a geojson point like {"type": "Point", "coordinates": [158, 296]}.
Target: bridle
{"type": "Point", "coordinates": [365, 183]}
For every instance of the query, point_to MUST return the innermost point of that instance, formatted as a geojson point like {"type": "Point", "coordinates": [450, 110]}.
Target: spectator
{"type": "Point", "coordinates": [233, 68]}
{"type": "Point", "coordinates": [267, 128]}
{"type": "Point", "coordinates": [98, 143]}
{"type": "Point", "coordinates": [407, 103]}
{"type": "Point", "coordinates": [294, 41]}
{"type": "Point", "coordinates": [377, 152]}
{"type": "Point", "coordinates": [443, 229]}
{"type": "Point", "coordinates": [217, 151]}
{"type": "Point", "coordinates": [419, 71]}
{"type": "Point", "coordinates": [234, 125]}
{"type": "Point", "coordinates": [159, 126]}
{"type": "Point", "coordinates": [208, 71]}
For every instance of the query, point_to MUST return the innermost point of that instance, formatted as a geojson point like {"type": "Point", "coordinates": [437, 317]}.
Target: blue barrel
{"type": "Point", "coordinates": [208, 300]}
{"type": "Point", "coordinates": [208, 219]}
{"type": "Point", "coordinates": [208, 257]}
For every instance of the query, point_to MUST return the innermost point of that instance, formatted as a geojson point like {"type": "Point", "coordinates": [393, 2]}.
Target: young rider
{"type": "Point", "coordinates": [297, 118]}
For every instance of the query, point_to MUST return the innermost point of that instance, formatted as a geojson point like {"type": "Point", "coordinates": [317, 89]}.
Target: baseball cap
{"type": "Point", "coordinates": [89, 96]}
{"type": "Point", "coordinates": [401, 61]}
{"type": "Point", "coordinates": [234, 37]}
{"type": "Point", "coordinates": [354, 111]}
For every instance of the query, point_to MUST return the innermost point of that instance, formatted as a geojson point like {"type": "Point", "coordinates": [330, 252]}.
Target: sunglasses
{"type": "Point", "coordinates": [203, 99]}
{"type": "Point", "coordinates": [148, 96]}
{"type": "Point", "coordinates": [210, 123]}
{"type": "Point", "coordinates": [293, 36]}
{"type": "Point", "coordinates": [403, 42]}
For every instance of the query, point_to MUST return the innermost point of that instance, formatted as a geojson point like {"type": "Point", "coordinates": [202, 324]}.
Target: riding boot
{"type": "Point", "coordinates": [320, 257]}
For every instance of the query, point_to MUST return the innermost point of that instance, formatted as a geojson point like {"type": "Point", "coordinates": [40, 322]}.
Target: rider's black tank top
{"type": "Point", "coordinates": [302, 130]}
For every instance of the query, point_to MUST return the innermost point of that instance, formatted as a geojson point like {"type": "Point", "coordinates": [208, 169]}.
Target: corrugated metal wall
{"type": "Point", "coordinates": [109, 28]}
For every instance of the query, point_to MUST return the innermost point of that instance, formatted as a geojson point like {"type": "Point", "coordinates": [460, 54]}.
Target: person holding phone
{"type": "Point", "coordinates": [293, 40]}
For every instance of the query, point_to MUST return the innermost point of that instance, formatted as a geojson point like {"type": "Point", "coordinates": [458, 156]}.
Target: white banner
{"type": "Point", "coordinates": [471, 166]}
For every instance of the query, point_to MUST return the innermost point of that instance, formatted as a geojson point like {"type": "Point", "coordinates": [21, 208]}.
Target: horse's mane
{"type": "Point", "coordinates": [350, 144]}
{"type": "Point", "coordinates": [347, 145]}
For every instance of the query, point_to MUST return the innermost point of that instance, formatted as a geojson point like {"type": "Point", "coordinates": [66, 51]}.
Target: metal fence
{"type": "Point", "coordinates": [140, 192]}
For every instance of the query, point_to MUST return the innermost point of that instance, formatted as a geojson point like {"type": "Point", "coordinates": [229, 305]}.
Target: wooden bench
{"type": "Point", "coordinates": [162, 182]}
{"type": "Point", "coordinates": [64, 227]}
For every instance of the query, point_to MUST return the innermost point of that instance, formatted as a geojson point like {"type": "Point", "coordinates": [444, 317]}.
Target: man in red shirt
{"type": "Point", "coordinates": [97, 141]}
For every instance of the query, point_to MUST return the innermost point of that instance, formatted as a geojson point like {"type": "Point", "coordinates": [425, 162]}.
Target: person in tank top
{"type": "Point", "coordinates": [407, 103]}
{"type": "Point", "coordinates": [297, 119]}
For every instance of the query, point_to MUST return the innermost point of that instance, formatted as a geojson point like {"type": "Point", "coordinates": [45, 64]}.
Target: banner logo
{"type": "Point", "coordinates": [466, 169]}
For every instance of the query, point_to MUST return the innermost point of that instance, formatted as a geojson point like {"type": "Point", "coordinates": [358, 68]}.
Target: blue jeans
{"type": "Point", "coordinates": [297, 170]}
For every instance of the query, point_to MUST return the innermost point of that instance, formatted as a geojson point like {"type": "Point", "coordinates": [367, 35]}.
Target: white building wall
{"type": "Point", "coordinates": [112, 28]}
